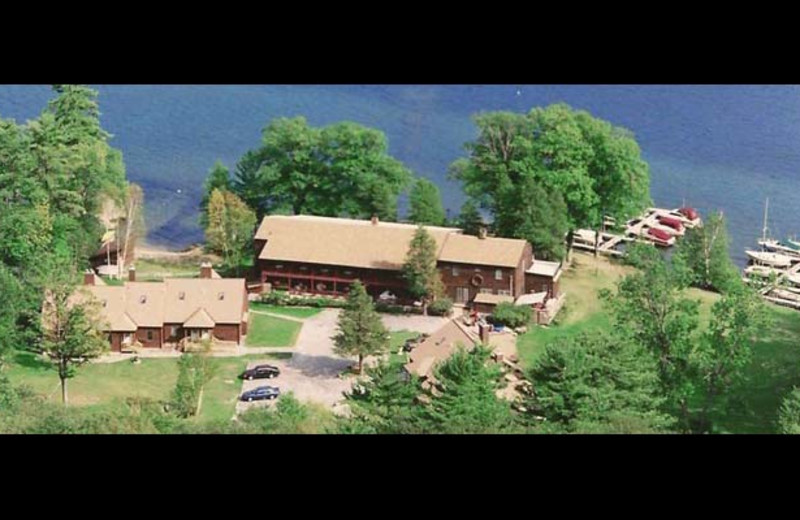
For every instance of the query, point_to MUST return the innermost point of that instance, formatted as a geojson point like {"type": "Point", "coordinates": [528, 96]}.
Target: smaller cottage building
{"type": "Point", "coordinates": [161, 314]}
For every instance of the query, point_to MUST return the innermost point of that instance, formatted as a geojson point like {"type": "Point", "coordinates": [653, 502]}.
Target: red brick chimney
{"type": "Point", "coordinates": [88, 277]}
{"type": "Point", "coordinates": [374, 220]}
{"type": "Point", "coordinates": [205, 270]}
{"type": "Point", "coordinates": [132, 274]}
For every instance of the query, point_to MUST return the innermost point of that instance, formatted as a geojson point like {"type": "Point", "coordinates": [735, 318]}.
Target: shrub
{"type": "Point", "coordinates": [441, 307]}
{"type": "Point", "coordinates": [275, 298]}
{"type": "Point", "coordinates": [510, 315]}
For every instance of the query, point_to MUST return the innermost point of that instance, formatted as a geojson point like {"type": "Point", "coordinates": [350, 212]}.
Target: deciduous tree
{"type": "Point", "coordinates": [231, 225]}
{"type": "Point", "coordinates": [218, 179]}
{"type": "Point", "coordinates": [426, 204]}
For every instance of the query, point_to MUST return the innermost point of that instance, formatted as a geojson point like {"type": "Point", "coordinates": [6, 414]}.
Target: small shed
{"type": "Point", "coordinates": [543, 276]}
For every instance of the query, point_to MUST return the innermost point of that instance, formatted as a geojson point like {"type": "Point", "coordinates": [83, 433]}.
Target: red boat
{"type": "Point", "coordinates": [660, 237]}
{"type": "Point", "coordinates": [689, 213]}
{"type": "Point", "coordinates": [671, 222]}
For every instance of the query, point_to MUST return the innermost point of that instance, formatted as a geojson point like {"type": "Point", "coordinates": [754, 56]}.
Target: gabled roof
{"type": "Point", "coordinates": [200, 302]}
{"type": "Point", "coordinates": [437, 347]}
{"type": "Point", "coordinates": [223, 299]}
{"type": "Point", "coordinates": [492, 251]}
{"type": "Point", "coordinates": [339, 241]}
{"type": "Point", "coordinates": [362, 244]}
{"type": "Point", "coordinates": [199, 320]}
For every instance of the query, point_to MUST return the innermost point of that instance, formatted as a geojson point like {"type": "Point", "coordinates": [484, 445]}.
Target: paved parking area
{"type": "Point", "coordinates": [312, 373]}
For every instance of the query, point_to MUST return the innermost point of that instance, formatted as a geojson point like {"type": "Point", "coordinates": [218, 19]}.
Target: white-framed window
{"type": "Point", "coordinates": [173, 331]}
{"type": "Point", "coordinates": [498, 274]}
{"type": "Point", "coordinates": [455, 270]}
{"type": "Point", "coordinates": [149, 335]}
{"type": "Point", "coordinates": [127, 337]}
{"type": "Point", "coordinates": [477, 269]}
{"type": "Point", "coordinates": [485, 290]}
{"type": "Point", "coordinates": [504, 292]}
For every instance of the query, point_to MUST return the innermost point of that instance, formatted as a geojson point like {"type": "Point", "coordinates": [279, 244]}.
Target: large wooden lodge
{"type": "Point", "coordinates": [322, 255]}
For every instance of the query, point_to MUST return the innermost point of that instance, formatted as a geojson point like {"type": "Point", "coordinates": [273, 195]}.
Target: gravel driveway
{"type": "Point", "coordinates": [312, 373]}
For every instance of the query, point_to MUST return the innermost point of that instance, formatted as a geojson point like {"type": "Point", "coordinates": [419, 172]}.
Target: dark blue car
{"type": "Point", "coordinates": [262, 392]}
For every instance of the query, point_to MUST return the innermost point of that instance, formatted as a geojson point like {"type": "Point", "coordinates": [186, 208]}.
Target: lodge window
{"type": "Point", "coordinates": [485, 290]}
{"type": "Point", "coordinates": [303, 268]}
{"type": "Point", "coordinates": [504, 292]}
{"type": "Point", "coordinates": [279, 266]}
{"type": "Point", "coordinates": [455, 271]}
{"type": "Point", "coordinates": [173, 331]}
{"type": "Point", "coordinates": [477, 269]}
{"type": "Point", "coordinates": [498, 274]}
{"type": "Point", "coordinates": [149, 335]}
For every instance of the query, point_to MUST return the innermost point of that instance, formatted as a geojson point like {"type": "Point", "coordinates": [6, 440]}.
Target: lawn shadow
{"type": "Point", "coordinates": [30, 360]}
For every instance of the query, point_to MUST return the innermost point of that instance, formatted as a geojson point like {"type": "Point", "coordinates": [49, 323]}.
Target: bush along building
{"type": "Point", "coordinates": [169, 313]}
{"type": "Point", "coordinates": [323, 255]}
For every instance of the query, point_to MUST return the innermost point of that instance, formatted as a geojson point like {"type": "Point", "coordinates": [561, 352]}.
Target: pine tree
{"type": "Point", "coordinates": [361, 331]}
{"type": "Point", "coordinates": [470, 220]}
{"type": "Point", "coordinates": [419, 269]}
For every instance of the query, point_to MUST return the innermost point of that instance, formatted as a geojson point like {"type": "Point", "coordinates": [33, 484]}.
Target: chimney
{"type": "Point", "coordinates": [88, 277]}
{"type": "Point", "coordinates": [374, 220]}
{"type": "Point", "coordinates": [132, 274]}
{"type": "Point", "coordinates": [205, 270]}
{"type": "Point", "coordinates": [482, 232]}
{"type": "Point", "coordinates": [483, 331]}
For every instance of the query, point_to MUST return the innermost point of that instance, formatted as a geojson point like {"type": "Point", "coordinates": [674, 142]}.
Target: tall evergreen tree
{"type": "Point", "coordinates": [597, 383]}
{"type": "Point", "coordinates": [360, 332]}
{"type": "Point", "coordinates": [419, 269]}
{"type": "Point", "coordinates": [470, 219]}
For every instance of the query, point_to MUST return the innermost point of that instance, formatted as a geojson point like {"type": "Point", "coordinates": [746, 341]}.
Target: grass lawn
{"type": "Point", "coordinates": [103, 383]}
{"type": "Point", "coordinates": [295, 312]}
{"type": "Point", "coordinates": [267, 331]}
{"type": "Point", "coordinates": [773, 371]}
{"type": "Point", "coordinates": [396, 340]}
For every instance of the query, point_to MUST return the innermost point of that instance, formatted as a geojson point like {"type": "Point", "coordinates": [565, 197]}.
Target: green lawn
{"type": "Point", "coordinates": [396, 340]}
{"type": "Point", "coordinates": [267, 331]}
{"type": "Point", "coordinates": [773, 371]}
{"type": "Point", "coordinates": [295, 312]}
{"type": "Point", "coordinates": [104, 383]}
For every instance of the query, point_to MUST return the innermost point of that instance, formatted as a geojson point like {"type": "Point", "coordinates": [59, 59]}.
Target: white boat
{"type": "Point", "coordinates": [775, 246]}
{"type": "Point", "coordinates": [771, 259]}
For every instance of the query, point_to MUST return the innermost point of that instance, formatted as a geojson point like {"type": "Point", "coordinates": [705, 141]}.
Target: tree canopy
{"type": "Point", "coordinates": [595, 168]}
{"type": "Point", "coordinates": [342, 169]}
{"type": "Point", "coordinates": [425, 204]}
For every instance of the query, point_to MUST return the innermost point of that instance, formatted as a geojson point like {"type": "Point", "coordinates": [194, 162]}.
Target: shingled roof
{"type": "Point", "coordinates": [382, 245]}
{"type": "Point", "coordinates": [193, 302]}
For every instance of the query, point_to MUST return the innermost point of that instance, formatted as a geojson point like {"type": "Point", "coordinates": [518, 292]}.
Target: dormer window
{"type": "Point", "coordinates": [221, 296]}
{"type": "Point", "coordinates": [143, 298]}
{"type": "Point", "coordinates": [182, 295]}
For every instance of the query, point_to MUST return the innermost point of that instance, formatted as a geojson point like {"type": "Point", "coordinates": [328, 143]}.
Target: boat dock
{"type": "Point", "coordinates": [633, 230]}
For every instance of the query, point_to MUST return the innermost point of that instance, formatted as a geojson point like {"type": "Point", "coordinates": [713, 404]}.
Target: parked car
{"type": "Point", "coordinates": [261, 372]}
{"type": "Point", "coordinates": [261, 393]}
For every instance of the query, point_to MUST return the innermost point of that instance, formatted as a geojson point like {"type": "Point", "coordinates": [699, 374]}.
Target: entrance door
{"type": "Point", "coordinates": [462, 294]}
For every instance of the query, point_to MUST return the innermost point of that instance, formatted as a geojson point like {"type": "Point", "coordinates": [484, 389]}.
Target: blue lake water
{"type": "Point", "coordinates": [716, 147]}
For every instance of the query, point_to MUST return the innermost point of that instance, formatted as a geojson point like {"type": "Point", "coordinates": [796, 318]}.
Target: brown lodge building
{"type": "Point", "coordinates": [323, 255]}
{"type": "Point", "coordinates": [159, 314]}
